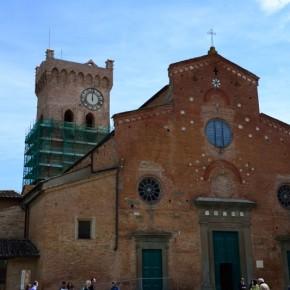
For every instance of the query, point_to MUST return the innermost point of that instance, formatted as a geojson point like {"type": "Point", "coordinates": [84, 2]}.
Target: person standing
{"type": "Point", "coordinates": [34, 285]}
{"type": "Point", "coordinates": [63, 286]}
{"type": "Point", "coordinates": [87, 285]}
{"type": "Point", "coordinates": [115, 286]}
{"type": "Point", "coordinates": [254, 285]}
{"type": "Point", "coordinates": [70, 286]}
{"type": "Point", "coordinates": [263, 285]}
{"type": "Point", "coordinates": [93, 284]}
{"type": "Point", "coordinates": [243, 285]}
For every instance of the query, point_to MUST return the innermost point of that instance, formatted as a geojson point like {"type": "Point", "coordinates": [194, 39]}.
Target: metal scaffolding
{"type": "Point", "coordinates": [52, 146]}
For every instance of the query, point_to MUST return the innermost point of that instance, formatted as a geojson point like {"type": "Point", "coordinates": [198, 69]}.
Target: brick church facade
{"type": "Point", "coordinates": [190, 191]}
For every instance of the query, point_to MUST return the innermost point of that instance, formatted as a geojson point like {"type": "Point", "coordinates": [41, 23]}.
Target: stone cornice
{"type": "Point", "coordinates": [206, 202]}
{"type": "Point", "coordinates": [203, 61]}
{"type": "Point", "coordinates": [138, 115]}
{"type": "Point", "coordinates": [189, 67]}
{"type": "Point", "coordinates": [275, 124]}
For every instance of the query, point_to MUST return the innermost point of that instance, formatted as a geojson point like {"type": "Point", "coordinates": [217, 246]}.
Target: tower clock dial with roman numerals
{"type": "Point", "coordinates": [92, 99]}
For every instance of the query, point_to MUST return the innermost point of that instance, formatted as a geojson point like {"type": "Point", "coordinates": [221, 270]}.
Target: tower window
{"type": "Point", "coordinates": [90, 120]}
{"type": "Point", "coordinates": [68, 116]}
{"type": "Point", "coordinates": [218, 133]}
{"type": "Point", "coordinates": [84, 229]}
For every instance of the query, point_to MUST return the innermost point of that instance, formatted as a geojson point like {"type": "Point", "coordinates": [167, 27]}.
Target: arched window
{"type": "Point", "coordinates": [90, 120]}
{"type": "Point", "coordinates": [68, 116]}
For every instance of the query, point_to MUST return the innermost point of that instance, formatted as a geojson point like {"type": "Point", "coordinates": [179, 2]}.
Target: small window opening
{"type": "Point", "coordinates": [90, 120]}
{"type": "Point", "coordinates": [3, 268]}
{"type": "Point", "coordinates": [84, 229]}
{"type": "Point", "coordinates": [68, 116]}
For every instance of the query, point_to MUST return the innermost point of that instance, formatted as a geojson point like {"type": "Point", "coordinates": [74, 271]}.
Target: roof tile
{"type": "Point", "coordinates": [10, 194]}
{"type": "Point", "coordinates": [17, 248]}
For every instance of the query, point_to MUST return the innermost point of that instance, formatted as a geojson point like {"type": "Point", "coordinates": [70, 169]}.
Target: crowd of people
{"type": "Point", "coordinates": [88, 285]}
{"type": "Point", "coordinates": [91, 285]}
{"type": "Point", "coordinates": [255, 284]}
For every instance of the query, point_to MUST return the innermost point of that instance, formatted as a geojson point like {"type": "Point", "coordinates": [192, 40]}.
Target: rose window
{"type": "Point", "coordinates": [284, 195]}
{"type": "Point", "coordinates": [149, 189]}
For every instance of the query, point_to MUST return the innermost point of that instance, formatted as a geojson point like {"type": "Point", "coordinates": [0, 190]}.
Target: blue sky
{"type": "Point", "coordinates": [143, 37]}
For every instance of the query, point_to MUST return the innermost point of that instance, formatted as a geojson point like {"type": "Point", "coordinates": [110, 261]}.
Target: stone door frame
{"type": "Point", "coordinates": [224, 214]}
{"type": "Point", "coordinates": [158, 241]}
{"type": "Point", "coordinates": [285, 246]}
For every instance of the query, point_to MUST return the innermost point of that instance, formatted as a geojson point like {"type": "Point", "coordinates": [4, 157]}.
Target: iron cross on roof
{"type": "Point", "coordinates": [212, 33]}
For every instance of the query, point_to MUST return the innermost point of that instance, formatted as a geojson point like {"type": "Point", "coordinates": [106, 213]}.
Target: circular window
{"type": "Point", "coordinates": [218, 133]}
{"type": "Point", "coordinates": [149, 189]}
{"type": "Point", "coordinates": [284, 195]}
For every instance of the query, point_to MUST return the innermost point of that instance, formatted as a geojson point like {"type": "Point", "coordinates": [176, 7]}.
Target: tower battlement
{"type": "Point", "coordinates": [54, 71]}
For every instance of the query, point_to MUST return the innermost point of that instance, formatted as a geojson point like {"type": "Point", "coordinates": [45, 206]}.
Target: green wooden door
{"type": "Point", "coordinates": [152, 269]}
{"type": "Point", "coordinates": [226, 260]}
{"type": "Point", "coordinates": [288, 262]}
{"type": "Point", "coordinates": [3, 268]}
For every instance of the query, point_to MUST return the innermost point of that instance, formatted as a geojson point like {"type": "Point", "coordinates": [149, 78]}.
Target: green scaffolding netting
{"type": "Point", "coordinates": [52, 146]}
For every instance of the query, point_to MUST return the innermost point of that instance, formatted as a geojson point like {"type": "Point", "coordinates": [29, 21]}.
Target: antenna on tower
{"type": "Point", "coordinates": [48, 37]}
{"type": "Point", "coordinates": [49, 51]}
{"type": "Point", "coordinates": [61, 53]}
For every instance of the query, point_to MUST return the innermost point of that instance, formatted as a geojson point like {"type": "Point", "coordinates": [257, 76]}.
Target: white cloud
{"type": "Point", "coordinates": [272, 6]}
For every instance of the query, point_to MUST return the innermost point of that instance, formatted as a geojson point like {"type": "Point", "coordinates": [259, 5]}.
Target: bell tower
{"type": "Point", "coordinates": [73, 115]}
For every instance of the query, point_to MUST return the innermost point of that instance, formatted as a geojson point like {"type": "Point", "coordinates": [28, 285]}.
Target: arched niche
{"type": "Point", "coordinates": [90, 120]}
{"type": "Point", "coordinates": [216, 96]}
{"type": "Point", "coordinates": [81, 78]}
{"type": "Point", "coordinates": [89, 79]}
{"type": "Point", "coordinates": [72, 76]}
{"type": "Point", "coordinates": [222, 165]}
{"type": "Point", "coordinates": [63, 76]}
{"type": "Point", "coordinates": [55, 75]}
{"type": "Point", "coordinates": [68, 116]}
{"type": "Point", "coordinates": [105, 83]}
{"type": "Point", "coordinates": [97, 81]}
{"type": "Point", "coordinates": [224, 178]}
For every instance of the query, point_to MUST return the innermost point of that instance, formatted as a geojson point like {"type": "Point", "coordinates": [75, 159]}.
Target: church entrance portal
{"type": "Point", "coordinates": [226, 260]}
{"type": "Point", "coordinates": [152, 262]}
{"type": "Point", "coordinates": [152, 269]}
{"type": "Point", "coordinates": [226, 241]}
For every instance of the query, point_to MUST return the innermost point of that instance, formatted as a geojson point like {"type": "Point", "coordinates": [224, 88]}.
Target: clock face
{"type": "Point", "coordinates": [92, 99]}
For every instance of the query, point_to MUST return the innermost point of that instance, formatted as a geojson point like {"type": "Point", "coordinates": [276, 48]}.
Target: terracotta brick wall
{"type": "Point", "coordinates": [11, 221]}
{"type": "Point", "coordinates": [14, 268]}
{"type": "Point", "coordinates": [105, 156]}
{"type": "Point", "coordinates": [171, 145]}
{"type": "Point", "coordinates": [52, 228]}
